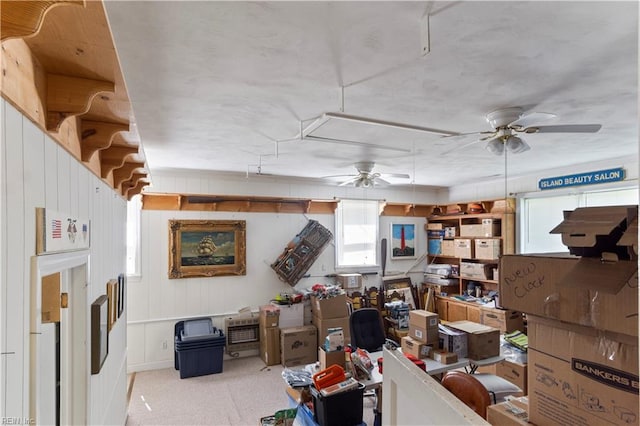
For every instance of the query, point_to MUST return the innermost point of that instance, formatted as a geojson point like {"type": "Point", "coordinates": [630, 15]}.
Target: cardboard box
{"type": "Point", "coordinates": [509, 413]}
{"type": "Point", "coordinates": [298, 345]}
{"type": "Point", "coordinates": [444, 357]}
{"type": "Point", "coordinates": [463, 247]}
{"type": "Point", "coordinates": [269, 316]}
{"type": "Point", "coordinates": [504, 320]}
{"type": "Point", "coordinates": [330, 358]}
{"type": "Point", "coordinates": [482, 341]}
{"type": "Point", "coordinates": [582, 291]}
{"type": "Point", "coordinates": [479, 271]}
{"type": "Point", "coordinates": [291, 315]}
{"type": "Point", "coordinates": [434, 226]}
{"type": "Point", "coordinates": [487, 228]}
{"type": "Point", "coordinates": [591, 231]}
{"type": "Point", "coordinates": [423, 319]}
{"type": "Point", "coordinates": [427, 336]}
{"type": "Point", "coordinates": [270, 345]}
{"type": "Point", "coordinates": [580, 375]}
{"type": "Point", "coordinates": [332, 307]}
{"type": "Point", "coordinates": [415, 347]}
{"type": "Point", "coordinates": [349, 280]}
{"type": "Point", "coordinates": [447, 248]}
{"type": "Point", "coordinates": [514, 372]}
{"type": "Point", "coordinates": [487, 248]}
{"type": "Point", "coordinates": [323, 325]}
{"type": "Point", "coordinates": [452, 340]}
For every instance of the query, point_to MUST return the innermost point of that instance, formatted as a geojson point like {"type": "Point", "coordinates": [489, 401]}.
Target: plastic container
{"type": "Point", "coordinates": [201, 353]}
{"type": "Point", "coordinates": [340, 409]}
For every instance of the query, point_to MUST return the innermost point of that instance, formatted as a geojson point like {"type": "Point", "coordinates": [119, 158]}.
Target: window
{"type": "Point", "coordinates": [540, 215]}
{"type": "Point", "coordinates": [133, 235]}
{"type": "Point", "coordinates": [357, 233]}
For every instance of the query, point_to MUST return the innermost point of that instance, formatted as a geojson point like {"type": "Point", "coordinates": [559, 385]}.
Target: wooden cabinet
{"type": "Point", "coordinates": [472, 242]}
{"type": "Point", "coordinates": [451, 309]}
{"type": "Point", "coordinates": [457, 310]}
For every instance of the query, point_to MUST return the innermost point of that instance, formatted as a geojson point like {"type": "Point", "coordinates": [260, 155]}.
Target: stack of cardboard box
{"type": "Point", "coordinates": [270, 334]}
{"type": "Point", "coordinates": [331, 314]}
{"type": "Point", "coordinates": [582, 319]}
{"type": "Point", "coordinates": [423, 334]}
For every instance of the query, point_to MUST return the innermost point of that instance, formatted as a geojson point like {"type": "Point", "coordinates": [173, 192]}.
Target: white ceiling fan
{"type": "Point", "coordinates": [508, 122]}
{"type": "Point", "coordinates": [366, 178]}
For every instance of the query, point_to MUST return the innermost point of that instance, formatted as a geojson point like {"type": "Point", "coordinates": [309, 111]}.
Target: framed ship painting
{"type": "Point", "coordinates": [207, 248]}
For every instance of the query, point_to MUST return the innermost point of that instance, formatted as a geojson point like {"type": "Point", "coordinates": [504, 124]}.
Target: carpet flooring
{"type": "Point", "coordinates": [241, 394]}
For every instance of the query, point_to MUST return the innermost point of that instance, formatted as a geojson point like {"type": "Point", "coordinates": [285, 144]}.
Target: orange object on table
{"type": "Point", "coordinates": [329, 376]}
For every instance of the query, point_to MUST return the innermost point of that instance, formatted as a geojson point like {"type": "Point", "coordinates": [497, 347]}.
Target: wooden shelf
{"type": "Point", "coordinates": [503, 231]}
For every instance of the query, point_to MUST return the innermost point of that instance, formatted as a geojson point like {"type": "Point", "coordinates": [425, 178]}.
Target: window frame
{"type": "Point", "coordinates": [373, 205]}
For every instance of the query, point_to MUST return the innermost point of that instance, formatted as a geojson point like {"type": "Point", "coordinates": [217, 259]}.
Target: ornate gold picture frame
{"type": "Point", "coordinates": [207, 248]}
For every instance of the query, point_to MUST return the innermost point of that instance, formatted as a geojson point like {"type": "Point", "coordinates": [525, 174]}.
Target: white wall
{"type": "Point", "coordinates": [36, 172]}
{"type": "Point", "coordinates": [519, 184]}
{"type": "Point", "coordinates": [156, 302]}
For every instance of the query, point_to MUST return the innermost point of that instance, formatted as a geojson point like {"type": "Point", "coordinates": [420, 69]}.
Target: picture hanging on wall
{"type": "Point", "coordinates": [403, 241]}
{"type": "Point", "coordinates": [122, 292]}
{"type": "Point", "coordinates": [99, 332]}
{"type": "Point", "coordinates": [207, 248]}
{"type": "Point", "coordinates": [112, 295]}
{"type": "Point", "coordinates": [58, 232]}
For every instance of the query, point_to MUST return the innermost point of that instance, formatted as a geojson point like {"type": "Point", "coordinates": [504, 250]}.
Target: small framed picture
{"type": "Point", "coordinates": [403, 241]}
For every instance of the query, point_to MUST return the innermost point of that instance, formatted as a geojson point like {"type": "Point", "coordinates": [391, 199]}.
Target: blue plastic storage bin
{"type": "Point", "coordinates": [198, 356]}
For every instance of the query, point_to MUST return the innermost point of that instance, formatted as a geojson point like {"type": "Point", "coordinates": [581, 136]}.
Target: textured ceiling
{"type": "Point", "coordinates": [215, 85]}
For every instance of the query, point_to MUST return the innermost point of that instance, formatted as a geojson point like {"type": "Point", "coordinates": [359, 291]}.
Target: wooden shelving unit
{"type": "Point", "coordinates": [497, 219]}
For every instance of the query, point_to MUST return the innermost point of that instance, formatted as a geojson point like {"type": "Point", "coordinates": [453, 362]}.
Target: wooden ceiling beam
{"type": "Point", "coordinates": [25, 18]}
{"type": "Point", "coordinates": [70, 96]}
{"type": "Point", "coordinates": [98, 135]}
{"type": "Point", "coordinates": [114, 157]}
{"type": "Point", "coordinates": [124, 173]}
{"type": "Point", "coordinates": [239, 203]}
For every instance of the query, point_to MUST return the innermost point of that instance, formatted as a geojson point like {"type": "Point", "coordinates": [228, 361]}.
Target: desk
{"type": "Point", "coordinates": [433, 368]}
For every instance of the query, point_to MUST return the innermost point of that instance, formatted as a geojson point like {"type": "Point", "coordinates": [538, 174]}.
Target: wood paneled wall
{"type": "Point", "coordinates": [36, 172]}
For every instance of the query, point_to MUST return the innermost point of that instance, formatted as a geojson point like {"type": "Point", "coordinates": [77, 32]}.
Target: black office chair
{"type": "Point", "coordinates": [367, 329]}
{"type": "Point", "coordinates": [367, 332]}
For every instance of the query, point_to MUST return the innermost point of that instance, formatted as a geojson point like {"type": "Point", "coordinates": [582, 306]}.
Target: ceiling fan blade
{"type": "Point", "coordinates": [565, 128]}
{"type": "Point", "coordinates": [465, 135]}
{"type": "Point", "coordinates": [339, 176]}
{"type": "Point", "coordinates": [350, 181]}
{"type": "Point", "coordinates": [395, 175]}
{"type": "Point", "coordinates": [531, 118]}
{"type": "Point", "coordinates": [381, 182]}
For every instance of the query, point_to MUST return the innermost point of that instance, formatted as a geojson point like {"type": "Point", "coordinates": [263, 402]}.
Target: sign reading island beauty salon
{"type": "Point", "coordinates": [57, 232]}
{"type": "Point", "coordinates": [588, 178]}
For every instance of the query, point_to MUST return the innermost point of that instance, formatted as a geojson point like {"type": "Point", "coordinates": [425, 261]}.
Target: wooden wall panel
{"type": "Point", "coordinates": [51, 149]}
{"type": "Point", "coordinates": [17, 342]}
{"type": "Point", "coordinates": [3, 261]}
{"type": "Point", "coordinates": [36, 171]}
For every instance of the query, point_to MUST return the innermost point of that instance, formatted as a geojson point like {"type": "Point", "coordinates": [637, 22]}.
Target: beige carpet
{"type": "Point", "coordinates": [245, 391]}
